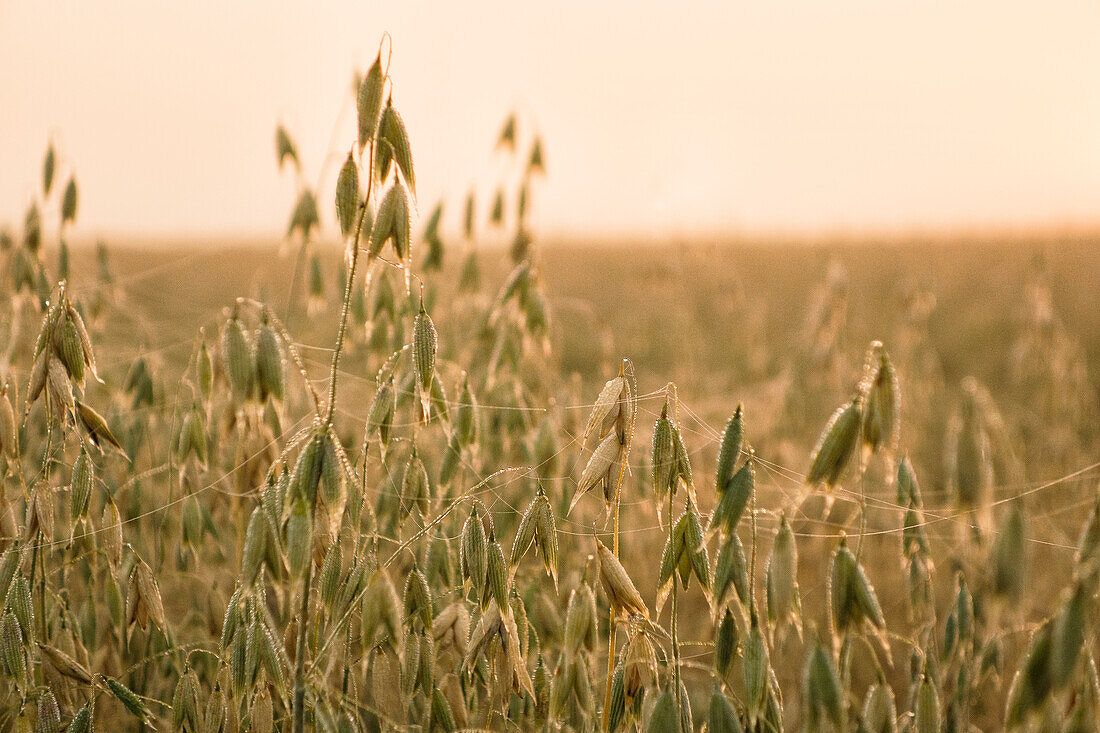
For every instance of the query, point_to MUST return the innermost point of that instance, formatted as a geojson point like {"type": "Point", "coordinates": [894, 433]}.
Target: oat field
{"type": "Point", "coordinates": [380, 475]}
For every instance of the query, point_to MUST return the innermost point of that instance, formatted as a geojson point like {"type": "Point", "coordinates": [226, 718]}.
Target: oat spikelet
{"type": "Point", "coordinates": [369, 101]}
{"type": "Point", "coordinates": [609, 410]}
{"type": "Point", "coordinates": [65, 665]}
{"type": "Point", "coordinates": [598, 471]}
{"type": "Point", "coordinates": [347, 195]}
{"type": "Point", "coordinates": [836, 445]}
{"type": "Point", "coordinates": [8, 435]}
{"type": "Point", "coordinates": [425, 345]}
{"type": "Point", "coordinates": [620, 589]}
{"type": "Point", "coordinates": [143, 601]}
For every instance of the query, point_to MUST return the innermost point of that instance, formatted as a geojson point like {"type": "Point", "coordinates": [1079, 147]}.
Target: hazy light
{"type": "Point", "coordinates": [658, 120]}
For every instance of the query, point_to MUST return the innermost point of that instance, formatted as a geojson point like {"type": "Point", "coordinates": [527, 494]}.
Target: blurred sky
{"type": "Point", "coordinates": [660, 119]}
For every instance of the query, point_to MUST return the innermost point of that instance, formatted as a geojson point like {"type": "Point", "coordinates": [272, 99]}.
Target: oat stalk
{"type": "Point", "coordinates": [626, 369]}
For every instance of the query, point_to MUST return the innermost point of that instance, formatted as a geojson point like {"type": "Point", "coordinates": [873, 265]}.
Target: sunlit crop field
{"type": "Point", "coordinates": [381, 476]}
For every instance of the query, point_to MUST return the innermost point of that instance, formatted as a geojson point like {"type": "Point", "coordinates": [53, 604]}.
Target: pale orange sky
{"type": "Point", "coordinates": [658, 120]}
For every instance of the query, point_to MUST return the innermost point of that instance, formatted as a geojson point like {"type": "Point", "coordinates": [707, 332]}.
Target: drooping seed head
{"type": "Point", "coordinates": [498, 585]}
{"type": "Point", "coordinates": [304, 218]}
{"type": "Point", "coordinates": [394, 145]}
{"type": "Point", "coordinates": [535, 163]}
{"type": "Point", "coordinates": [425, 345]}
{"type": "Point", "coordinates": [725, 644]}
{"type": "Point", "coordinates": [380, 415]}
{"type": "Point", "coordinates": [20, 603]}
{"type": "Point", "coordinates": [732, 439]}
{"type": "Point", "coordinates": [12, 649]}
{"type": "Point", "coordinates": [721, 715]}
{"type": "Point", "coordinates": [186, 703]}
{"type": "Point", "coordinates": [882, 399]}
{"type": "Point", "coordinates": [369, 101]}
{"type": "Point", "coordinates": [852, 599]}
{"type": "Point", "coordinates": [537, 526]}
{"type": "Point", "coordinates": [418, 599]}
{"type": "Point", "coordinates": [474, 553]}
{"type": "Point", "coordinates": [639, 666]}
{"type": "Point", "coordinates": [40, 513]}
{"type": "Point", "coordinates": [1009, 556]}
{"type": "Point", "coordinates": [255, 545]}
{"type": "Point", "coordinates": [1033, 682]}
{"type": "Point", "coordinates": [69, 202]}
{"type": "Point", "coordinates": [451, 628]}
{"type": "Point", "coordinates": [836, 445]}
{"type": "Point", "coordinates": [347, 195]}
{"type": "Point", "coordinates": [609, 412]}
{"type": "Point", "coordinates": [781, 578]}
{"type": "Point", "coordinates": [49, 165]}
{"type": "Point", "coordinates": [908, 490]}
{"type": "Point", "coordinates": [270, 363]}
{"type": "Point", "coordinates": [683, 463]}
{"type": "Point", "coordinates": [926, 716]}
{"type": "Point", "coordinates": [133, 704]}
{"type": "Point", "coordinates": [391, 223]}
{"type": "Point", "coordinates": [969, 463]}
{"type": "Point", "coordinates": [754, 670]}
{"type": "Point", "coordinates": [299, 537]}
{"type": "Point", "coordinates": [307, 472]}
{"type": "Point", "coordinates": [415, 487]}
{"type": "Point", "coordinates": [731, 571]}
{"type": "Point", "coordinates": [67, 346]}
{"type": "Point", "coordinates": [665, 465]}
{"type": "Point", "coordinates": [83, 480]}
{"type": "Point", "coordinates": [598, 471]}
{"type": "Point", "coordinates": [879, 711]}
{"type": "Point", "coordinates": [143, 600]}
{"type": "Point", "coordinates": [49, 714]}
{"type": "Point", "coordinates": [8, 436]}
{"type": "Point", "coordinates": [82, 721]}
{"type": "Point", "coordinates": [238, 358]}
{"type": "Point", "coordinates": [580, 620]}
{"type": "Point", "coordinates": [442, 718]}
{"type": "Point", "coordinates": [96, 428]}
{"type": "Point", "coordinates": [332, 479]}
{"type": "Point", "coordinates": [621, 592]}
{"type": "Point", "coordinates": [822, 694]}
{"type": "Point", "coordinates": [664, 717]}
{"type": "Point", "coordinates": [733, 501]}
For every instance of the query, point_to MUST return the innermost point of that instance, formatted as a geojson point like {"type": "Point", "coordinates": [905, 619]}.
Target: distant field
{"type": "Point", "coordinates": [779, 328]}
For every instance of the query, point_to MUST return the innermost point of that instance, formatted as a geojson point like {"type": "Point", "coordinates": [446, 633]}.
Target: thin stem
{"type": "Point", "coordinates": [345, 307]}
{"type": "Point", "coordinates": [632, 405]}
{"type": "Point", "coordinates": [303, 615]}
